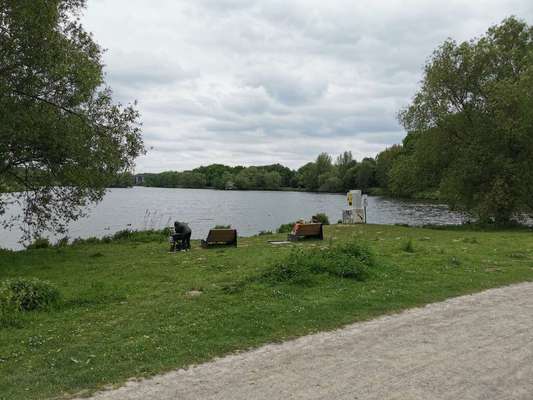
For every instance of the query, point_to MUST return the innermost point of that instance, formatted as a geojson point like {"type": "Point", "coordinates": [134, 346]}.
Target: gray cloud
{"type": "Point", "coordinates": [257, 82]}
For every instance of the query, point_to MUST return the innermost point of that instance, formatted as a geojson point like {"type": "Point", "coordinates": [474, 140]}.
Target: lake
{"type": "Point", "coordinates": [248, 211]}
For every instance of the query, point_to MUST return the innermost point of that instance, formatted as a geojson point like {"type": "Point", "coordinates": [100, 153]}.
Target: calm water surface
{"type": "Point", "coordinates": [250, 212]}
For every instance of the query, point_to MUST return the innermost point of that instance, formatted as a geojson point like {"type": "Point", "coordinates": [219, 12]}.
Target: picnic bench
{"type": "Point", "coordinates": [220, 237]}
{"type": "Point", "coordinates": [307, 231]}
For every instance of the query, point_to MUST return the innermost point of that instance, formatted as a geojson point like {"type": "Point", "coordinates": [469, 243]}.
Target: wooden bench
{"type": "Point", "coordinates": [307, 231]}
{"type": "Point", "coordinates": [220, 237]}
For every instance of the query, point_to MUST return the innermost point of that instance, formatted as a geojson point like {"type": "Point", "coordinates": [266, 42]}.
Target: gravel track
{"type": "Point", "coordinates": [469, 347]}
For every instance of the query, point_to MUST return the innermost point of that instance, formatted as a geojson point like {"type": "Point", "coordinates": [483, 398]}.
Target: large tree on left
{"type": "Point", "coordinates": [62, 139]}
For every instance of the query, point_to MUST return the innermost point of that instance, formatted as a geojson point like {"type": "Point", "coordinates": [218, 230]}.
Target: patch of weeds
{"type": "Point", "coordinates": [10, 318]}
{"type": "Point", "coordinates": [454, 262]}
{"type": "Point", "coordinates": [90, 240]}
{"type": "Point", "coordinates": [350, 260]}
{"type": "Point", "coordinates": [39, 243]}
{"type": "Point", "coordinates": [123, 235]}
{"type": "Point", "coordinates": [106, 239]}
{"type": "Point", "coordinates": [408, 246]}
{"type": "Point", "coordinates": [470, 240]}
{"type": "Point", "coordinates": [233, 287]}
{"type": "Point", "coordinates": [127, 236]}
{"type": "Point", "coordinates": [36, 341]}
{"type": "Point", "coordinates": [23, 294]}
{"type": "Point", "coordinates": [63, 242]}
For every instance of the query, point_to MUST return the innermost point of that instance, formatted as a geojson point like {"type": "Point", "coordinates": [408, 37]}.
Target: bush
{"type": "Point", "coordinates": [295, 268]}
{"type": "Point", "coordinates": [63, 242]}
{"type": "Point", "coordinates": [322, 218]}
{"type": "Point", "coordinates": [222, 227]}
{"type": "Point", "coordinates": [127, 235]}
{"type": "Point", "coordinates": [22, 294]}
{"type": "Point", "coordinates": [349, 260]}
{"type": "Point", "coordinates": [123, 235]}
{"type": "Point", "coordinates": [265, 233]}
{"type": "Point", "coordinates": [286, 228]}
{"type": "Point", "coordinates": [39, 243]}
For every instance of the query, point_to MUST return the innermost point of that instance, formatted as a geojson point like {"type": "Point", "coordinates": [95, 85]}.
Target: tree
{"type": "Point", "coordinates": [62, 139]}
{"type": "Point", "coordinates": [384, 162]}
{"type": "Point", "coordinates": [329, 182]}
{"type": "Point", "coordinates": [307, 176]}
{"type": "Point", "coordinates": [272, 180]}
{"type": "Point", "coordinates": [323, 164]}
{"type": "Point", "coordinates": [476, 100]}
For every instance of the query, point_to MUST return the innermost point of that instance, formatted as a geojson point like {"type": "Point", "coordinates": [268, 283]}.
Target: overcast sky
{"type": "Point", "coordinates": [245, 82]}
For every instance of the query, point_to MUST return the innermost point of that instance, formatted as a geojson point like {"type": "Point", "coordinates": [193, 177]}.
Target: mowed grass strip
{"type": "Point", "coordinates": [130, 309]}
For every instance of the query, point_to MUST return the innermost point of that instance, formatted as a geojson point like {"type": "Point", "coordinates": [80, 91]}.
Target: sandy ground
{"type": "Point", "coordinates": [470, 347]}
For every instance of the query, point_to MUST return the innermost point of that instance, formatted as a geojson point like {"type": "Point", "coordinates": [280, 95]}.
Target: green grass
{"type": "Point", "coordinates": [128, 311]}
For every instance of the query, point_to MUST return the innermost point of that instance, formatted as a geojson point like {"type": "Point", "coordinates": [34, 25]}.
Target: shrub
{"type": "Point", "coordinates": [349, 260]}
{"type": "Point", "coordinates": [22, 294]}
{"type": "Point", "coordinates": [286, 228]}
{"type": "Point", "coordinates": [123, 235]}
{"type": "Point", "coordinates": [39, 243]}
{"type": "Point", "coordinates": [63, 242]}
{"type": "Point", "coordinates": [295, 268]}
{"type": "Point", "coordinates": [265, 233]}
{"type": "Point", "coordinates": [222, 227]}
{"type": "Point", "coordinates": [322, 218]}
{"type": "Point", "coordinates": [127, 235]}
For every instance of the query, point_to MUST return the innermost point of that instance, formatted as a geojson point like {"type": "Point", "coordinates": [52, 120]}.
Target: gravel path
{"type": "Point", "coordinates": [470, 347]}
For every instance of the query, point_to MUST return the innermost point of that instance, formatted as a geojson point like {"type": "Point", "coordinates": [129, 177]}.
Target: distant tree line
{"type": "Point", "coordinates": [322, 175]}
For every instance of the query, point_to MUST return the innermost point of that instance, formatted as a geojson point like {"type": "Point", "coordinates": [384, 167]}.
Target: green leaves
{"type": "Point", "coordinates": [62, 139]}
{"type": "Point", "coordinates": [471, 125]}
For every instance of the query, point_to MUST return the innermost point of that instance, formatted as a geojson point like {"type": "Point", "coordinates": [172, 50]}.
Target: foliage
{"type": "Point", "coordinates": [384, 163]}
{"type": "Point", "coordinates": [348, 260]}
{"type": "Point", "coordinates": [286, 228]}
{"type": "Point", "coordinates": [322, 218]}
{"type": "Point", "coordinates": [218, 176]}
{"type": "Point", "coordinates": [39, 243]}
{"type": "Point", "coordinates": [62, 139]}
{"type": "Point", "coordinates": [471, 125]}
{"type": "Point", "coordinates": [126, 236]}
{"type": "Point", "coordinates": [23, 294]}
{"type": "Point", "coordinates": [123, 180]}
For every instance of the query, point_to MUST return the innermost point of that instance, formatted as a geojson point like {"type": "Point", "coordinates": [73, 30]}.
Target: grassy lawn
{"type": "Point", "coordinates": [128, 310]}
